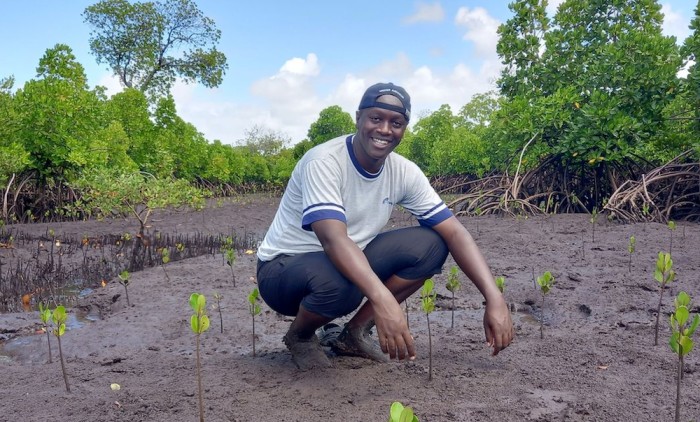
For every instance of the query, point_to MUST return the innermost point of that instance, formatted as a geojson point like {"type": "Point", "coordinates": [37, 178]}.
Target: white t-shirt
{"type": "Point", "coordinates": [328, 182]}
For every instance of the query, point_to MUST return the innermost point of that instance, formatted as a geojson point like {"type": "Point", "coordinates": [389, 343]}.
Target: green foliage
{"type": "Point", "coordinates": [59, 318]}
{"type": "Point", "coordinates": [500, 283]}
{"type": "Point", "coordinates": [682, 326]}
{"type": "Point", "coordinates": [681, 342]}
{"type": "Point", "coordinates": [672, 227]}
{"type": "Point", "coordinates": [124, 279]}
{"type": "Point", "coordinates": [594, 84]}
{"type": "Point", "coordinates": [229, 256]}
{"type": "Point", "coordinates": [46, 318]}
{"type": "Point", "coordinates": [427, 296]}
{"type": "Point", "coordinates": [453, 284]}
{"type": "Point", "coordinates": [254, 309]}
{"type": "Point", "coordinates": [331, 123]}
{"type": "Point", "coordinates": [663, 274]}
{"type": "Point", "coordinates": [135, 194]}
{"type": "Point", "coordinates": [149, 45]}
{"type": "Point", "coordinates": [399, 413]}
{"type": "Point", "coordinates": [427, 301]}
{"type": "Point", "coordinates": [545, 281]}
{"type": "Point", "coordinates": [199, 321]}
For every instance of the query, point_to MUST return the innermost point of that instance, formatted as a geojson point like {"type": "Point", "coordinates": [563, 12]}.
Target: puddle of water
{"type": "Point", "coordinates": [33, 348]}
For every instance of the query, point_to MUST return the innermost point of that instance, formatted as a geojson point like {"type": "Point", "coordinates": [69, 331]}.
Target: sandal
{"type": "Point", "coordinates": [328, 334]}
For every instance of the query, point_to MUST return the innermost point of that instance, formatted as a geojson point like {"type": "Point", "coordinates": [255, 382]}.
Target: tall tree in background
{"type": "Point", "coordinates": [594, 96]}
{"type": "Point", "coordinates": [332, 122]}
{"type": "Point", "coordinates": [689, 111]}
{"type": "Point", "coordinates": [148, 45]}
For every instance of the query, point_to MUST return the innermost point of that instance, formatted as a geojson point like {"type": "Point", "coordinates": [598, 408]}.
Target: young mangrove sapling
{"type": "Point", "coordinates": [165, 258]}
{"type": "Point", "coordinates": [254, 309]}
{"type": "Point", "coordinates": [217, 298]}
{"type": "Point", "coordinates": [199, 322]}
{"type": "Point", "coordinates": [59, 318]}
{"type": "Point", "coordinates": [399, 413]}
{"type": "Point", "coordinates": [427, 299]}
{"type": "Point", "coordinates": [453, 284]}
{"type": "Point", "coordinates": [630, 248]}
{"type": "Point", "coordinates": [45, 315]}
{"type": "Point", "coordinates": [545, 281]}
{"type": "Point", "coordinates": [124, 281]}
{"type": "Point", "coordinates": [672, 228]}
{"type": "Point", "coordinates": [229, 256]}
{"type": "Point", "coordinates": [594, 219]}
{"type": "Point", "coordinates": [681, 342]}
{"type": "Point", "coordinates": [664, 274]}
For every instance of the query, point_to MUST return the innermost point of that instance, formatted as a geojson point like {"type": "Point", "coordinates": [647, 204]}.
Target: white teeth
{"type": "Point", "coordinates": [380, 141]}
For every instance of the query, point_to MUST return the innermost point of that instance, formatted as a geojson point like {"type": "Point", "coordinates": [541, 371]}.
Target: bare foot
{"type": "Point", "coordinates": [358, 342]}
{"type": "Point", "coordinates": [306, 353]}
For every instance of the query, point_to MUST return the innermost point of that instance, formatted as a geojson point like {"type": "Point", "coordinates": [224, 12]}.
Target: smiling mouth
{"type": "Point", "coordinates": [381, 142]}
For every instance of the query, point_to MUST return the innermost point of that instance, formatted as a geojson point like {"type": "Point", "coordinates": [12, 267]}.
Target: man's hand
{"type": "Point", "coordinates": [498, 325]}
{"type": "Point", "coordinates": [392, 330]}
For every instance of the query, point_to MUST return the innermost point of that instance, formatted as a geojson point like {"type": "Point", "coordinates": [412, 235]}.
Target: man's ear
{"type": "Point", "coordinates": [358, 113]}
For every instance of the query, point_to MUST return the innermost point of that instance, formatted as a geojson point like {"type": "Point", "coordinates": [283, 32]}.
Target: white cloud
{"type": "Point", "coordinates": [675, 24]}
{"type": "Point", "coordinates": [482, 30]}
{"type": "Point", "coordinates": [426, 13]}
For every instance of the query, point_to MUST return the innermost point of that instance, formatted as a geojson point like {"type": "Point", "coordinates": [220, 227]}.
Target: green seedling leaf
{"type": "Point", "coordinates": [500, 283]}
{"type": "Point", "coordinates": [428, 296]}
{"type": "Point", "coordinates": [253, 299]}
{"type": "Point", "coordinates": [399, 413]}
{"type": "Point", "coordinates": [124, 277]}
{"type": "Point", "coordinates": [453, 284]}
{"type": "Point", "coordinates": [165, 253]}
{"type": "Point", "coordinates": [59, 319]}
{"type": "Point", "coordinates": [545, 281]}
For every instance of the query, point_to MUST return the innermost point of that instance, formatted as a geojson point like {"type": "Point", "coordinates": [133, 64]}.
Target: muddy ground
{"type": "Point", "coordinates": [597, 361]}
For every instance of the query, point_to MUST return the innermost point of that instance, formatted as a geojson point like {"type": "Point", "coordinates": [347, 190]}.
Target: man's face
{"type": "Point", "coordinates": [379, 132]}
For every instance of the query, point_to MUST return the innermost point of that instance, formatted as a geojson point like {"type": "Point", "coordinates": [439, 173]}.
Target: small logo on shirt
{"type": "Point", "coordinates": [387, 201]}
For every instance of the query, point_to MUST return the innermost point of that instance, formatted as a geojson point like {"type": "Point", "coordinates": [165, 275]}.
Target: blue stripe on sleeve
{"type": "Point", "coordinates": [435, 219]}
{"type": "Point", "coordinates": [322, 214]}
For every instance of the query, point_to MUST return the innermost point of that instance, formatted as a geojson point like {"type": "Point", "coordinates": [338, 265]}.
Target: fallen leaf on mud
{"type": "Point", "coordinates": [603, 367]}
{"type": "Point", "coordinates": [115, 387]}
{"type": "Point", "coordinates": [249, 252]}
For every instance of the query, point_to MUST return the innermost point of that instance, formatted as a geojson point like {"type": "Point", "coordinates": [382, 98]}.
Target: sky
{"type": "Point", "coordinates": [288, 60]}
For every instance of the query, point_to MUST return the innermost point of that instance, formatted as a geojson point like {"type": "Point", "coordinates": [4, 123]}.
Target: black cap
{"type": "Point", "coordinates": [369, 99]}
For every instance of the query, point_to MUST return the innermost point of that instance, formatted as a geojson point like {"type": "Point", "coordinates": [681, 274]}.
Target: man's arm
{"type": "Point", "coordinates": [498, 325]}
{"type": "Point", "coordinates": [347, 257]}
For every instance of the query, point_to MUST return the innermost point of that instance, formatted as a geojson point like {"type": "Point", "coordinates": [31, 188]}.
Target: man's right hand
{"type": "Point", "coordinates": [392, 329]}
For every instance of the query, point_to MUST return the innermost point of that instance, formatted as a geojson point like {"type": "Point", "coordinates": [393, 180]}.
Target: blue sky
{"type": "Point", "coordinates": [288, 60]}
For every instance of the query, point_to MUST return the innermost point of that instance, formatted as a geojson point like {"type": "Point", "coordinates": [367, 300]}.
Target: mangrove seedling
{"type": "Point", "coordinates": [500, 283]}
{"type": "Point", "coordinates": [124, 277]}
{"type": "Point", "coordinates": [545, 281]}
{"type": "Point", "coordinates": [630, 248]}
{"type": "Point", "coordinates": [59, 318]}
{"type": "Point", "coordinates": [45, 315]}
{"type": "Point", "coordinates": [229, 256]}
{"type": "Point", "coordinates": [681, 342]}
{"type": "Point", "coordinates": [663, 274]}
{"type": "Point", "coordinates": [453, 284]}
{"type": "Point", "coordinates": [199, 322]}
{"type": "Point", "coordinates": [672, 227]}
{"type": "Point", "coordinates": [594, 219]}
{"type": "Point", "coordinates": [218, 297]}
{"type": "Point", "coordinates": [427, 300]}
{"type": "Point", "coordinates": [399, 413]}
{"type": "Point", "coordinates": [165, 258]}
{"type": "Point", "coordinates": [254, 309]}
